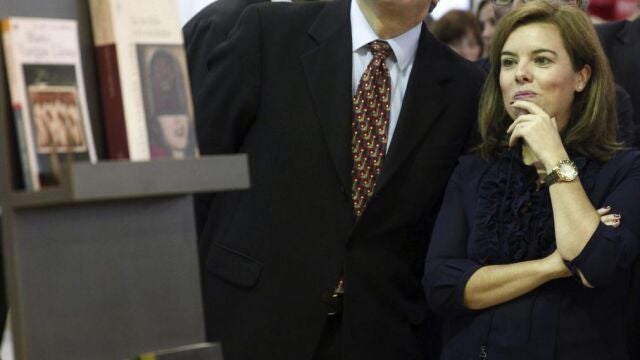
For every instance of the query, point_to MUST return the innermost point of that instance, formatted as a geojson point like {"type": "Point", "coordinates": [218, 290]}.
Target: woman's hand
{"type": "Point", "coordinates": [609, 219]}
{"type": "Point", "coordinates": [540, 133]}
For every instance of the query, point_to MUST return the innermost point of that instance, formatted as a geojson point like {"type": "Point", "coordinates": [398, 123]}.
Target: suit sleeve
{"type": "Point", "coordinates": [227, 103]}
{"type": "Point", "coordinates": [611, 251]}
{"type": "Point", "coordinates": [200, 38]}
{"type": "Point", "coordinates": [447, 268]}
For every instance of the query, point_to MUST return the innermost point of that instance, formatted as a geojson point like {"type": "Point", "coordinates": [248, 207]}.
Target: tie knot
{"type": "Point", "coordinates": [380, 49]}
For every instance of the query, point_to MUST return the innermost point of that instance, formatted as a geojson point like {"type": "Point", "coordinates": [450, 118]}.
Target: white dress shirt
{"type": "Point", "coordinates": [404, 48]}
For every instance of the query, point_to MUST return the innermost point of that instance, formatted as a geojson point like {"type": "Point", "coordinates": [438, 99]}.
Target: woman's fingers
{"type": "Point", "coordinates": [515, 135]}
{"type": "Point", "coordinates": [603, 210]}
{"type": "Point", "coordinates": [519, 127]}
{"type": "Point", "coordinates": [529, 107]}
{"type": "Point", "coordinates": [523, 119]}
{"type": "Point", "coordinates": [611, 220]}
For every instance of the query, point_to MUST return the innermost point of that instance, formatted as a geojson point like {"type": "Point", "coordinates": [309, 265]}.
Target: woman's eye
{"type": "Point", "coordinates": [507, 62]}
{"type": "Point", "coordinates": [542, 60]}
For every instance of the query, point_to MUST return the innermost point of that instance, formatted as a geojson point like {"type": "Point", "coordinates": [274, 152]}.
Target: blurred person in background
{"type": "Point", "coordinates": [487, 20]}
{"type": "Point", "coordinates": [621, 43]}
{"type": "Point", "coordinates": [636, 14]}
{"type": "Point", "coordinates": [460, 30]}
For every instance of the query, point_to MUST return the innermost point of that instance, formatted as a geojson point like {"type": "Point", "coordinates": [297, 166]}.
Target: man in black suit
{"type": "Point", "coordinates": [621, 42]}
{"type": "Point", "coordinates": [296, 268]}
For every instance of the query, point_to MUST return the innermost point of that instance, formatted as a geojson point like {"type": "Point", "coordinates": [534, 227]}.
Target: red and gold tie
{"type": "Point", "coordinates": [370, 123]}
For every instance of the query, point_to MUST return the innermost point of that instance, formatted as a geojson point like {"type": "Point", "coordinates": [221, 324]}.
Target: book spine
{"type": "Point", "coordinates": [108, 66]}
{"type": "Point", "coordinates": [29, 175]}
{"type": "Point", "coordinates": [112, 105]}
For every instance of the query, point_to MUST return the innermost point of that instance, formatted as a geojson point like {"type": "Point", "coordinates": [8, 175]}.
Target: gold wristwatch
{"type": "Point", "coordinates": [564, 171]}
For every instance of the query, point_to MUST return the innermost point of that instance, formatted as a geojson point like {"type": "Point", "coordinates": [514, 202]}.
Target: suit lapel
{"type": "Point", "coordinates": [327, 68]}
{"type": "Point", "coordinates": [423, 103]}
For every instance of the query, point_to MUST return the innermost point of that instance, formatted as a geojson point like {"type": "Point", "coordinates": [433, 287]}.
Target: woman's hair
{"type": "Point", "coordinates": [454, 25]}
{"type": "Point", "coordinates": [592, 128]}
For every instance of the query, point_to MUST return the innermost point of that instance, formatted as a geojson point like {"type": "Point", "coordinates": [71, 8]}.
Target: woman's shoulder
{"type": "Point", "coordinates": [472, 162]}
{"type": "Point", "coordinates": [602, 177]}
{"type": "Point", "coordinates": [470, 166]}
{"type": "Point", "coordinates": [623, 160]}
{"type": "Point", "coordinates": [632, 154]}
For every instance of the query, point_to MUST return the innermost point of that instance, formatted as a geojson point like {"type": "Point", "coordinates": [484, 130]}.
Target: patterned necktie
{"type": "Point", "coordinates": [370, 123]}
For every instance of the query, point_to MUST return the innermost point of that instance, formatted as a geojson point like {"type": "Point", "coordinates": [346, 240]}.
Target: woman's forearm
{"type": "Point", "coordinates": [496, 284]}
{"type": "Point", "coordinates": [575, 219]}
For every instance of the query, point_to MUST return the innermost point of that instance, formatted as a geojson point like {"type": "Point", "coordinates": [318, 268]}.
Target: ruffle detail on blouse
{"type": "Point", "coordinates": [514, 221]}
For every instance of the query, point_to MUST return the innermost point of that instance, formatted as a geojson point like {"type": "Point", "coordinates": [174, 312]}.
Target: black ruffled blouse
{"type": "Point", "coordinates": [514, 220]}
{"type": "Point", "coordinates": [493, 213]}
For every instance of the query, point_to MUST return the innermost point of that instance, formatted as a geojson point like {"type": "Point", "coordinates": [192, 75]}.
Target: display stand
{"type": "Point", "coordinates": [105, 265]}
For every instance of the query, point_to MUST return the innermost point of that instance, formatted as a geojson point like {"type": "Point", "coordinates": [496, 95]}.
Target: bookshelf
{"type": "Point", "coordinates": [105, 265]}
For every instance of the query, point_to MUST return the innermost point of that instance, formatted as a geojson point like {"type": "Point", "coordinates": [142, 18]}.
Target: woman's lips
{"type": "Point", "coordinates": [523, 95]}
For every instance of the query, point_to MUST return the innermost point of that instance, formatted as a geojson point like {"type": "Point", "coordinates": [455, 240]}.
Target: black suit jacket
{"type": "Point", "coordinates": [206, 30]}
{"type": "Point", "coordinates": [621, 43]}
{"type": "Point", "coordinates": [280, 90]}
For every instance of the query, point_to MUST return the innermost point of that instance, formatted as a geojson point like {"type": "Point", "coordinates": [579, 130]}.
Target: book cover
{"type": "Point", "coordinates": [51, 119]}
{"type": "Point", "coordinates": [144, 83]}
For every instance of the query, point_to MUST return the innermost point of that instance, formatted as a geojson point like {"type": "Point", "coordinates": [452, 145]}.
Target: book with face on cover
{"type": "Point", "coordinates": [144, 83]}
{"type": "Point", "coordinates": [49, 106]}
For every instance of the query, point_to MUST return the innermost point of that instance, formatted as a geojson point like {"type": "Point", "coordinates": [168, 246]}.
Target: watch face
{"type": "Point", "coordinates": [567, 172]}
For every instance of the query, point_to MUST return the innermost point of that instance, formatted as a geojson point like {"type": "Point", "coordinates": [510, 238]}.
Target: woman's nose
{"type": "Point", "coordinates": [522, 73]}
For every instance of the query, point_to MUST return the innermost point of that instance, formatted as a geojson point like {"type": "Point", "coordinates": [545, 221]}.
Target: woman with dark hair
{"type": "Point", "coordinates": [460, 30]}
{"type": "Point", "coordinates": [520, 264]}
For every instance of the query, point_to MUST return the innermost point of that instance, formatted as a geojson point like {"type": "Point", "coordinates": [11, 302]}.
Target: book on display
{"type": "Point", "coordinates": [144, 83]}
{"type": "Point", "coordinates": [49, 106]}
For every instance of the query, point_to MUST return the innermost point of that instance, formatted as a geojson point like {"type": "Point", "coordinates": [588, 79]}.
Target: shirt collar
{"type": "Point", "coordinates": [404, 46]}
